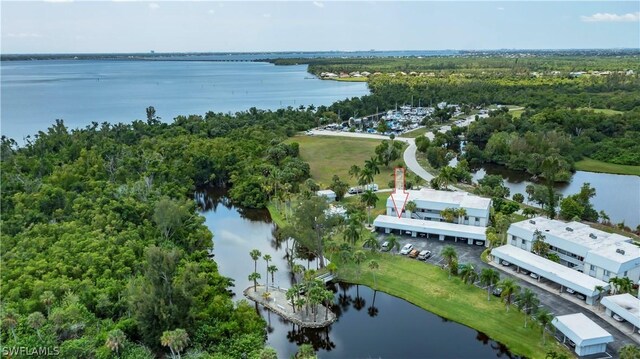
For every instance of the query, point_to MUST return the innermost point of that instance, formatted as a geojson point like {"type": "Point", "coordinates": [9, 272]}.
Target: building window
{"type": "Point", "coordinates": [466, 218]}
{"type": "Point", "coordinates": [606, 272]}
{"type": "Point", "coordinates": [477, 219]}
{"type": "Point", "coordinates": [625, 273]}
{"type": "Point", "coordinates": [523, 241]}
{"type": "Point", "coordinates": [593, 267]}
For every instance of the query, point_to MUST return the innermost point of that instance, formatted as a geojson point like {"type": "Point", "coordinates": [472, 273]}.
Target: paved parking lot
{"type": "Point", "coordinates": [550, 297]}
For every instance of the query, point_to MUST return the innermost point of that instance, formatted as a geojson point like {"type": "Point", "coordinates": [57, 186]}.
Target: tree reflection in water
{"type": "Point", "coordinates": [318, 338]}
{"type": "Point", "coordinates": [372, 310]}
{"type": "Point", "coordinates": [359, 302]}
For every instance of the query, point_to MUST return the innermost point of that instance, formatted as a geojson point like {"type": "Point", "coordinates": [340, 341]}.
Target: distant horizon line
{"type": "Point", "coordinates": [152, 52]}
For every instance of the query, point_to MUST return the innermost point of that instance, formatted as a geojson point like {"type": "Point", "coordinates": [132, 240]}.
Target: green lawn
{"type": "Point", "coordinates": [591, 165]}
{"type": "Point", "coordinates": [415, 133]}
{"type": "Point", "coordinates": [429, 287]}
{"type": "Point", "coordinates": [606, 111]}
{"type": "Point", "coordinates": [516, 113]}
{"type": "Point", "coordinates": [329, 155]}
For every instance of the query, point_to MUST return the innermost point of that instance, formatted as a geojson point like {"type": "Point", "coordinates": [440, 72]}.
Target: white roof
{"type": "Point", "coordinates": [598, 247]}
{"type": "Point", "coordinates": [438, 200]}
{"type": "Point", "coordinates": [434, 227]}
{"type": "Point", "coordinates": [625, 305]}
{"type": "Point", "coordinates": [581, 330]}
{"type": "Point", "coordinates": [551, 270]}
{"type": "Point", "coordinates": [618, 257]}
{"type": "Point", "coordinates": [326, 192]}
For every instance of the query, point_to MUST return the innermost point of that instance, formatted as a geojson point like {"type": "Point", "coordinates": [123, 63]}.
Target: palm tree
{"type": "Point", "coordinates": [352, 232]}
{"type": "Point", "coordinates": [448, 214]}
{"type": "Point", "coordinates": [366, 177]}
{"type": "Point", "coordinates": [255, 255]}
{"type": "Point", "coordinates": [468, 273]}
{"type": "Point", "coordinates": [527, 301]}
{"type": "Point", "coordinates": [47, 298]}
{"type": "Point", "coordinates": [291, 295]}
{"type": "Point", "coordinates": [446, 177]}
{"type": "Point", "coordinates": [629, 351]}
{"type": "Point", "coordinates": [254, 277]}
{"type": "Point", "coordinates": [394, 242]}
{"type": "Point", "coordinates": [621, 285]}
{"type": "Point", "coordinates": [272, 269]}
{"type": "Point", "coordinates": [508, 287]}
{"type": "Point", "coordinates": [411, 207]}
{"type": "Point", "coordinates": [115, 340]}
{"type": "Point", "coordinates": [372, 242]}
{"type": "Point", "coordinates": [176, 340]}
{"type": "Point", "coordinates": [461, 213]}
{"type": "Point", "coordinates": [358, 258]}
{"type": "Point", "coordinates": [450, 255]}
{"type": "Point", "coordinates": [327, 297]}
{"type": "Point", "coordinates": [36, 320]}
{"type": "Point", "coordinates": [373, 265]}
{"type": "Point", "coordinates": [605, 218]}
{"type": "Point", "coordinates": [372, 165]}
{"type": "Point", "coordinates": [550, 168]}
{"type": "Point", "coordinates": [544, 317]}
{"type": "Point", "coordinates": [489, 277]}
{"type": "Point", "coordinates": [539, 246]}
{"type": "Point", "coordinates": [369, 198]}
{"type": "Point", "coordinates": [267, 258]}
{"type": "Point", "coordinates": [354, 172]}
{"type": "Point", "coordinates": [10, 321]}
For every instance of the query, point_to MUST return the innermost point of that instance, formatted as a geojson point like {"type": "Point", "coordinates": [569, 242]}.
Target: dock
{"type": "Point", "coordinates": [278, 304]}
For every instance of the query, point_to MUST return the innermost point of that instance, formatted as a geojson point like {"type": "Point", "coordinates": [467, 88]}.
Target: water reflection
{"type": "Point", "coordinates": [389, 327]}
{"type": "Point", "coordinates": [617, 195]}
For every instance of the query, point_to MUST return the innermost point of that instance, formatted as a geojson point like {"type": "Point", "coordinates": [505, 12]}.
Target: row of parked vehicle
{"type": "Point", "coordinates": [411, 252]}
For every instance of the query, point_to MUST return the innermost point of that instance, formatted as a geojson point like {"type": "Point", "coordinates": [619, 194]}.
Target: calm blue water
{"type": "Point", "coordinates": [35, 93]}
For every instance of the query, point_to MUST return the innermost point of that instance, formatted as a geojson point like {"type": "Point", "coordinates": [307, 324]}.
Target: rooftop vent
{"type": "Point", "coordinates": [592, 236]}
{"type": "Point", "coordinates": [532, 221]}
{"type": "Point", "coordinates": [569, 229]}
{"type": "Point", "coordinates": [621, 251]}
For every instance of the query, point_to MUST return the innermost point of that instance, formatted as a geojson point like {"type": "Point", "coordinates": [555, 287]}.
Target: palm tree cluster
{"type": "Point", "coordinates": [454, 214]}
{"type": "Point", "coordinates": [315, 294]}
{"type": "Point", "coordinates": [620, 285]}
{"type": "Point", "coordinates": [176, 340]}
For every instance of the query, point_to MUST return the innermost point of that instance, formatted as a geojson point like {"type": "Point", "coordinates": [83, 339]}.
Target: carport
{"type": "Point", "coordinates": [625, 305]}
{"type": "Point", "coordinates": [588, 336]}
{"type": "Point", "coordinates": [441, 229]}
{"type": "Point", "coordinates": [550, 270]}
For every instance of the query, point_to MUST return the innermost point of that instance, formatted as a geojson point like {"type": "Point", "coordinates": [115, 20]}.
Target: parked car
{"type": "Point", "coordinates": [424, 255]}
{"type": "Point", "coordinates": [534, 276]}
{"type": "Point", "coordinates": [581, 296]}
{"type": "Point", "coordinates": [496, 291]}
{"type": "Point", "coordinates": [385, 246]}
{"type": "Point", "coordinates": [570, 291]}
{"type": "Point", "coordinates": [414, 253]}
{"type": "Point", "coordinates": [355, 190]}
{"type": "Point", "coordinates": [505, 263]}
{"type": "Point", "coordinates": [406, 249]}
{"type": "Point", "coordinates": [524, 271]}
{"type": "Point", "coordinates": [617, 317]}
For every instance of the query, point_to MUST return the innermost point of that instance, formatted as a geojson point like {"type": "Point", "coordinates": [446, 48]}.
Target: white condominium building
{"type": "Point", "coordinates": [427, 220]}
{"type": "Point", "coordinates": [596, 253]}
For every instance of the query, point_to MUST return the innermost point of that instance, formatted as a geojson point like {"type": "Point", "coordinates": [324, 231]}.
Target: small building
{"type": "Point", "coordinates": [329, 194]}
{"type": "Point", "coordinates": [588, 337]}
{"type": "Point", "coordinates": [336, 211]}
{"type": "Point", "coordinates": [625, 306]}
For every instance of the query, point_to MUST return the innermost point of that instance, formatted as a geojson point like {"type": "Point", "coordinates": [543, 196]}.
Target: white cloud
{"type": "Point", "coordinates": [500, 8]}
{"type": "Point", "coordinates": [153, 6]}
{"type": "Point", "coordinates": [23, 35]}
{"type": "Point", "coordinates": [606, 17]}
{"type": "Point", "coordinates": [266, 15]}
{"type": "Point", "coordinates": [318, 4]}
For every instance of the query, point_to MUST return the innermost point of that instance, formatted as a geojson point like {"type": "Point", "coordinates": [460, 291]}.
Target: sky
{"type": "Point", "coordinates": [64, 26]}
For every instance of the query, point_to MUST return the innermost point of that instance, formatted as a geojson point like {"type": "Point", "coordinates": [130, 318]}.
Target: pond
{"type": "Point", "coordinates": [370, 324]}
{"type": "Point", "coordinates": [617, 195]}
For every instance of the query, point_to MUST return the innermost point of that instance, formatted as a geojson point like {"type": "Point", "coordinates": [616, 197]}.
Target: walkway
{"type": "Point", "coordinates": [278, 304]}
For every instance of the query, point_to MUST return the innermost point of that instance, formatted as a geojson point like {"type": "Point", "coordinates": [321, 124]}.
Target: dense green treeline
{"type": "Point", "coordinates": [103, 252]}
{"type": "Point", "coordinates": [523, 143]}
{"type": "Point", "coordinates": [481, 66]}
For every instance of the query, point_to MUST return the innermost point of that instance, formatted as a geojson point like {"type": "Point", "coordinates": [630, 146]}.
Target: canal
{"type": "Point", "coordinates": [370, 324]}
